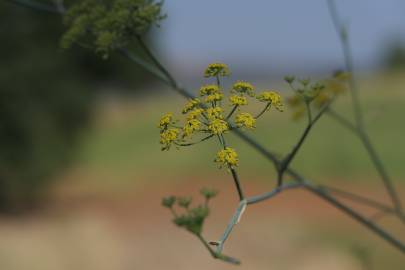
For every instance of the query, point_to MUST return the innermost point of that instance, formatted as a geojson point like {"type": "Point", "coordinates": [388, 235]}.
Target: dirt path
{"type": "Point", "coordinates": [78, 231]}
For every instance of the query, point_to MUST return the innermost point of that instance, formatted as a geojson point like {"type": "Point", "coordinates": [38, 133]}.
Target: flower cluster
{"type": "Point", "coordinates": [216, 70]}
{"type": "Point", "coordinates": [108, 25]}
{"type": "Point", "coordinates": [316, 95]}
{"type": "Point", "coordinates": [227, 157]}
{"type": "Point", "coordinates": [245, 120]}
{"type": "Point", "coordinates": [192, 219]}
{"type": "Point", "coordinates": [207, 118]}
{"type": "Point", "coordinates": [272, 98]}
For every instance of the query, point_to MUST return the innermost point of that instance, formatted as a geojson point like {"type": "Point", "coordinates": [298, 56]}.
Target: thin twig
{"type": "Point", "coordinates": [263, 111]}
{"type": "Point", "coordinates": [289, 158]}
{"type": "Point", "coordinates": [231, 112]}
{"type": "Point", "coordinates": [344, 40]}
{"type": "Point", "coordinates": [359, 198]}
{"type": "Point", "coordinates": [216, 255]}
{"type": "Point", "coordinates": [271, 194]}
{"type": "Point", "coordinates": [356, 216]}
{"type": "Point", "coordinates": [233, 171]}
{"type": "Point", "coordinates": [193, 143]}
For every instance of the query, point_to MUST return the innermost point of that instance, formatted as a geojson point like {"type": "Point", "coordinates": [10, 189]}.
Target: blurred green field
{"type": "Point", "coordinates": [123, 143]}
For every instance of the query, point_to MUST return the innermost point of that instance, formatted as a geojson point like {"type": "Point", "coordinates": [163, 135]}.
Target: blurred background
{"type": "Point", "coordinates": [82, 174]}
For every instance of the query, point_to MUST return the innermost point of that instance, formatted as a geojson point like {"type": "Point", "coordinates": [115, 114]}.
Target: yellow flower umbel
{"type": "Point", "coordinates": [273, 98]}
{"type": "Point", "coordinates": [214, 112]}
{"type": "Point", "coordinates": [205, 118]}
{"type": "Point", "coordinates": [190, 127]}
{"type": "Point", "coordinates": [192, 104]}
{"type": "Point", "coordinates": [194, 113]}
{"type": "Point", "coordinates": [211, 92]}
{"type": "Point", "coordinates": [243, 88]}
{"type": "Point", "coordinates": [227, 157]}
{"type": "Point", "coordinates": [216, 69]}
{"type": "Point", "coordinates": [167, 137]}
{"type": "Point", "coordinates": [214, 97]}
{"type": "Point", "coordinates": [237, 100]}
{"type": "Point", "coordinates": [245, 120]}
{"type": "Point", "coordinates": [218, 126]}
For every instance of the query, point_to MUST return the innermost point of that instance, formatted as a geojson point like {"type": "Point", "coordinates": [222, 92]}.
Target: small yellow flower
{"type": "Point", "coordinates": [190, 127]}
{"type": "Point", "coordinates": [227, 157]}
{"type": "Point", "coordinates": [238, 100]}
{"type": "Point", "coordinates": [194, 113]}
{"type": "Point", "coordinates": [218, 126]}
{"type": "Point", "coordinates": [335, 86]}
{"type": "Point", "coordinates": [216, 69]}
{"type": "Point", "coordinates": [245, 120]}
{"type": "Point", "coordinates": [209, 89]}
{"type": "Point", "coordinates": [191, 104]}
{"type": "Point", "coordinates": [273, 98]}
{"type": "Point", "coordinates": [215, 112]}
{"type": "Point", "coordinates": [167, 137]}
{"type": "Point", "coordinates": [298, 104]}
{"type": "Point", "coordinates": [243, 88]}
{"type": "Point", "coordinates": [166, 120]}
{"type": "Point", "coordinates": [214, 97]}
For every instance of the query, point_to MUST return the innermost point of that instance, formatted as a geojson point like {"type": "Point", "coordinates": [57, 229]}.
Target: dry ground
{"type": "Point", "coordinates": [293, 231]}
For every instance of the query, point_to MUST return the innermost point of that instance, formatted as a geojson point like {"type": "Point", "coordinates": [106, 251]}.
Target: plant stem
{"type": "Point", "coordinates": [234, 220]}
{"type": "Point", "coordinates": [215, 254]}
{"type": "Point", "coordinates": [289, 158]}
{"type": "Point", "coordinates": [343, 37]}
{"type": "Point", "coordinates": [237, 183]}
{"type": "Point", "coordinates": [358, 198]}
{"type": "Point", "coordinates": [263, 111]}
{"type": "Point", "coordinates": [271, 194]}
{"type": "Point", "coordinates": [358, 217]}
{"type": "Point", "coordinates": [231, 112]}
{"type": "Point", "coordinates": [233, 171]}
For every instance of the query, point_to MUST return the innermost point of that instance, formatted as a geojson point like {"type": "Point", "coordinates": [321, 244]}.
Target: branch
{"type": "Point", "coordinates": [344, 40]}
{"type": "Point", "coordinates": [216, 255]}
{"type": "Point", "coordinates": [289, 158]}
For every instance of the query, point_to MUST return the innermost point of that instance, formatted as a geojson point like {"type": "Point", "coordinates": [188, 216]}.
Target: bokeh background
{"type": "Point", "coordinates": [82, 174]}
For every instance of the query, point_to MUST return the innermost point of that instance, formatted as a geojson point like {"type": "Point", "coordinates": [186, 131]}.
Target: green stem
{"type": "Point", "coordinates": [231, 112]}
{"type": "Point", "coordinates": [263, 111]}
{"type": "Point", "coordinates": [237, 183]}
{"type": "Point", "coordinates": [193, 143]}
{"type": "Point", "coordinates": [289, 158]}
{"type": "Point", "coordinates": [233, 171]}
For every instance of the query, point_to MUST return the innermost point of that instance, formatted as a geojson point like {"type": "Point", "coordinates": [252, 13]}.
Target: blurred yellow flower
{"type": "Point", "coordinates": [216, 69]}
{"type": "Point", "coordinates": [167, 137]}
{"type": "Point", "coordinates": [238, 100]}
{"type": "Point", "coordinates": [243, 88]}
{"type": "Point", "coordinates": [273, 98]}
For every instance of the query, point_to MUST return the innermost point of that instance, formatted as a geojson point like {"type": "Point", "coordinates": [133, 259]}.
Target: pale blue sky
{"type": "Point", "coordinates": [284, 36]}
